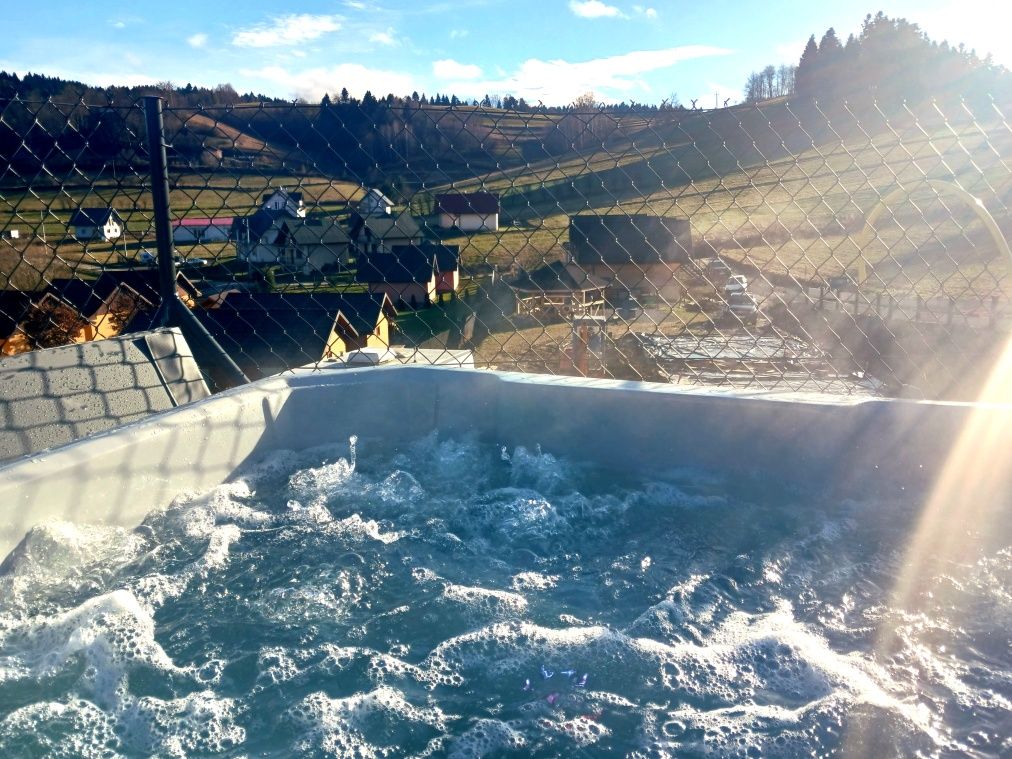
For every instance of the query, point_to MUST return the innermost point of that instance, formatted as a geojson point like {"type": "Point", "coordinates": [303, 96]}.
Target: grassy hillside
{"type": "Point", "coordinates": [45, 211]}
{"type": "Point", "coordinates": [787, 190]}
{"type": "Point", "coordinates": [782, 188]}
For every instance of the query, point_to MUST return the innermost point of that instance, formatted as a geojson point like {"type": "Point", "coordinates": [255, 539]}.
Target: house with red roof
{"type": "Point", "coordinates": [195, 231]}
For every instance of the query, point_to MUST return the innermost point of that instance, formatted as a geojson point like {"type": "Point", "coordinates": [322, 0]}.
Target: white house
{"type": "Point", "coordinates": [375, 203]}
{"type": "Point", "coordinates": [97, 224]}
{"type": "Point", "coordinates": [202, 230]}
{"type": "Point", "coordinates": [285, 202]}
{"type": "Point", "coordinates": [314, 245]}
{"type": "Point", "coordinates": [468, 212]}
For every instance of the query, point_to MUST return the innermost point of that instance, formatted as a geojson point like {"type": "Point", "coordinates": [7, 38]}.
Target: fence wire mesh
{"type": "Point", "coordinates": [788, 245]}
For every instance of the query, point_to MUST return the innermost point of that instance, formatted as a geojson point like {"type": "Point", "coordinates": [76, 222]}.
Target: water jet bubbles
{"type": "Point", "coordinates": [546, 673]}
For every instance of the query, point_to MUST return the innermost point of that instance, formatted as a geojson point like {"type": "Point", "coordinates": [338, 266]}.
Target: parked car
{"type": "Point", "coordinates": [147, 257]}
{"type": "Point", "coordinates": [842, 282]}
{"type": "Point", "coordinates": [736, 283]}
{"type": "Point", "coordinates": [742, 307]}
{"type": "Point", "coordinates": [194, 262]}
{"type": "Point", "coordinates": [718, 267]}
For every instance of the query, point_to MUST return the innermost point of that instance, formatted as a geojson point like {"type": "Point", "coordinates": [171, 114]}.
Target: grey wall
{"type": "Point", "coordinates": [54, 396]}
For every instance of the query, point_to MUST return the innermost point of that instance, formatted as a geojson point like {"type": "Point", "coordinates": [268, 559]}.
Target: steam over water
{"type": "Point", "coordinates": [464, 601]}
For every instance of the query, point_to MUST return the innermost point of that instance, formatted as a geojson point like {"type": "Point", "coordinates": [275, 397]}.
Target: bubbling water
{"type": "Point", "coordinates": [464, 600]}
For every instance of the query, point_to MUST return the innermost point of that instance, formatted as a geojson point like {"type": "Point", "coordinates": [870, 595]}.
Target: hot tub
{"type": "Point", "coordinates": [424, 561]}
{"type": "Point", "coordinates": [852, 447]}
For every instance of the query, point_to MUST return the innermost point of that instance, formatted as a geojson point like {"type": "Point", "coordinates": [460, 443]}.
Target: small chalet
{"type": "Point", "coordinates": [407, 275]}
{"type": "Point", "coordinates": [107, 304]}
{"type": "Point", "coordinates": [381, 234]}
{"type": "Point", "coordinates": [270, 333]}
{"type": "Point", "coordinates": [14, 308]}
{"type": "Point", "coordinates": [468, 212]}
{"type": "Point", "coordinates": [283, 201]}
{"type": "Point", "coordinates": [561, 288]}
{"type": "Point", "coordinates": [636, 253]}
{"type": "Point", "coordinates": [97, 224]}
{"type": "Point", "coordinates": [375, 203]}
{"type": "Point", "coordinates": [447, 259]}
{"type": "Point", "coordinates": [202, 230]}
{"type": "Point", "coordinates": [46, 322]}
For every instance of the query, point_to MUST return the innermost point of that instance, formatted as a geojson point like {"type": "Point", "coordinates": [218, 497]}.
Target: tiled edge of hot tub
{"type": "Point", "coordinates": [119, 476]}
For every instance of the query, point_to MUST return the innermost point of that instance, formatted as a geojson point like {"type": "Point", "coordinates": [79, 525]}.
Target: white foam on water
{"type": "Point", "coordinates": [712, 666]}
{"type": "Point", "coordinates": [156, 589]}
{"type": "Point", "coordinates": [110, 630]}
{"type": "Point", "coordinates": [198, 724]}
{"type": "Point", "coordinates": [59, 559]}
{"type": "Point", "coordinates": [487, 737]}
{"type": "Point", "coordinates": [77, 729]}
{"type": "Point", "coordinates": [511, 649]}
{"type": "Point", "coordinates": [582, 731]}
{"type": "Point", "coordinates": [485, 601]}
{"type": "Point", "coordinates": [542, 471]}
{"type": "Point", "coordinates": [321, 481]}
{"type": "Point", "coordinates": [526, 581]}
{"type": "Point", "coordinates": [424, 575]}
{"type": "Point", "coordinates": [755, 658]}
{"type": "Point", "coordinates": [330, 598]}
{"type": "Point", "coordinates": [363, 725]}
{"type": "Point", "coordinates": [381, 668]}
{"type": "Point", "coordinates": [360, 529]}
{"type": "Point", "coordinates": [276, 665]}
{"type": "Point", "coordinates": [399, 487]}
{"type": "Point", "coordinates": [519, 515]}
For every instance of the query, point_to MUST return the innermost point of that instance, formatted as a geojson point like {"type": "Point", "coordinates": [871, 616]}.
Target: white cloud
{"type": "Point", "coordinates": [286, 30]}
{"type": "Point", "coordinates": [558, 82]}
{"type": "Point", "coordinates": [197, 40]}
{"type": "Point", "coordinates": [790, 52]}
{"type": "Point", "coordinates": [594, 9]}
{"type": "Point", "coordinates": [355, 5]}
{"type": "Point", "coordinates": [456, 34]}
{"type": "Point", "coordinates": [118, 24]}
{"type": "Point", "coordinates": [313, 84]}
{"type": "Point", "coordinates": [649, 13]}
{"type": "Point", "coordinates": [450, 69]}
{"type": "Point", "coordinates": [384, 38]}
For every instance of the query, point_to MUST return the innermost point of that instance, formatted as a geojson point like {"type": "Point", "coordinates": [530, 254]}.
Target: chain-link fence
{"type": "Point", "coordinates": [781, 246]}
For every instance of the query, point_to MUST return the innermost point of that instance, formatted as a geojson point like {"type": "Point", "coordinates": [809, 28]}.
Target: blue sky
{"type": "Point", "coordinates": [544, 50]}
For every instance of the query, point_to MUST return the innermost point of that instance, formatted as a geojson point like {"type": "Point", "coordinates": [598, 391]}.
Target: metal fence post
{"type": "Point", "coordinates": [211, 357]}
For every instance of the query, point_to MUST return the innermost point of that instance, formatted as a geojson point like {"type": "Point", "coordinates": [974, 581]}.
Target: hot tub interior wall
{"type": "Point", "coordinates": [846, 449]}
